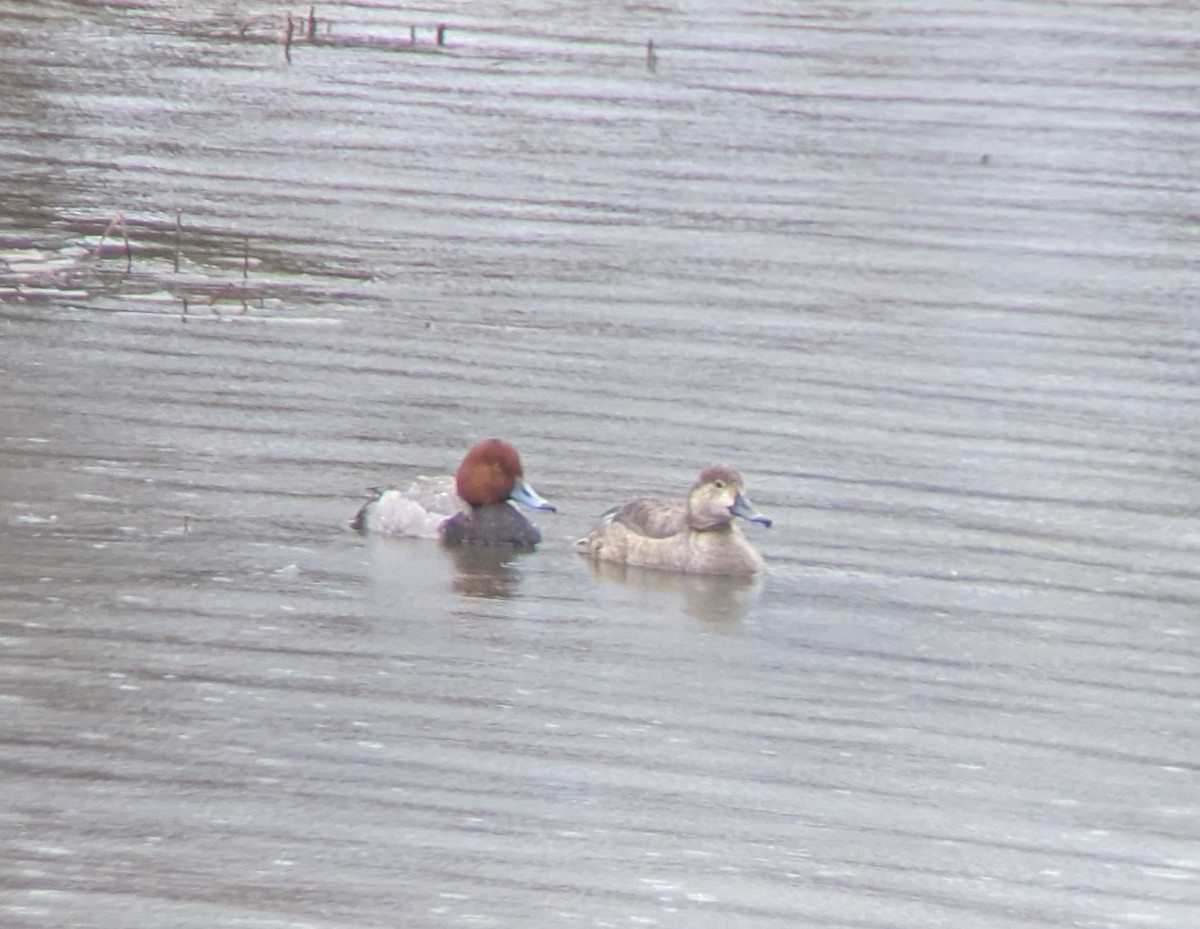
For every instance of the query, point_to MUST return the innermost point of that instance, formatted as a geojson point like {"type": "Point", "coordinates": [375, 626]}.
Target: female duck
{"type": "Point", "coordinates": [696, 536]}
{"type": "Point", "coordinates": [470, 509]}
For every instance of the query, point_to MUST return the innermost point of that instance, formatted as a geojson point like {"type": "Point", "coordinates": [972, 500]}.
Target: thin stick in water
{"type": "Point", "coordinates": [287, 38]}
{"type": "Point", "coordinates": [245, 272]}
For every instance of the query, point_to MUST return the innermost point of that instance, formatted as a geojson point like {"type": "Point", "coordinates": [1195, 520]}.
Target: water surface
{"type": "Point", "coordinates": [924, 274]}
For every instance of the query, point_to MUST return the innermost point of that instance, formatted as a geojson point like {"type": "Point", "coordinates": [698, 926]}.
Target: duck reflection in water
{"type": "Point", "coordinates": [717, 600]}
{"type": "Point", "coordinates": [415, 578]}
{"type": "Point", "coordinates": [484, 572]}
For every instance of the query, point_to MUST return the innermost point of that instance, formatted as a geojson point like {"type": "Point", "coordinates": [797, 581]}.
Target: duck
{"type": "Point", "coordinates": [694, 536]}
{"type": "Point", "coordinates": [472, 508]}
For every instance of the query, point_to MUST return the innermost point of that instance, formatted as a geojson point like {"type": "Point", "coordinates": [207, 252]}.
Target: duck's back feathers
{"type": "Point", "coordinates": [417, 512]}
{"type": "Point", "coordinates": [655, 519]}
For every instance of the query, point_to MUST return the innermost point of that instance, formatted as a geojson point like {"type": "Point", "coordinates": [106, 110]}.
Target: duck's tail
{"type": "Point", "coordinates": [361, 520]}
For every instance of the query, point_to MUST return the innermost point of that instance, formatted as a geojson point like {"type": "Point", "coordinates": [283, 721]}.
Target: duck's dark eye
{"type": "Point", "coordinates": [719, 484]}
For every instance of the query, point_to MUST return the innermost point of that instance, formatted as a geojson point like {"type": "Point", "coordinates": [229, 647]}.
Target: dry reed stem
{"type": "Point", "coordinates": [287, 38]}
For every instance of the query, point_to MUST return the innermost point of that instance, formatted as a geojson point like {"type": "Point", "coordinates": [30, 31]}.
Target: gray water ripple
{"type": "Point", "coordinates": [922, 273]}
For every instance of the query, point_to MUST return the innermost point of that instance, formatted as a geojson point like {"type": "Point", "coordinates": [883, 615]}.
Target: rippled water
{"type": "Point", "coordinates": [925, 274]}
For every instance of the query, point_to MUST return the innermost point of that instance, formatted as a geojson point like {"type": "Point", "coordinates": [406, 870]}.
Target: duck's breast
{"type": "Point", "coordinates": [494, 524]}
{"type": "Point", "coordinates": [725, 552]}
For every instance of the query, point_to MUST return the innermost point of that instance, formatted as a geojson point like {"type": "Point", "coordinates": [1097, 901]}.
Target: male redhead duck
{"type": "Point", "coordinates": [472, 508]}
{"type": "Point", "coordinates": [695, 536]}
